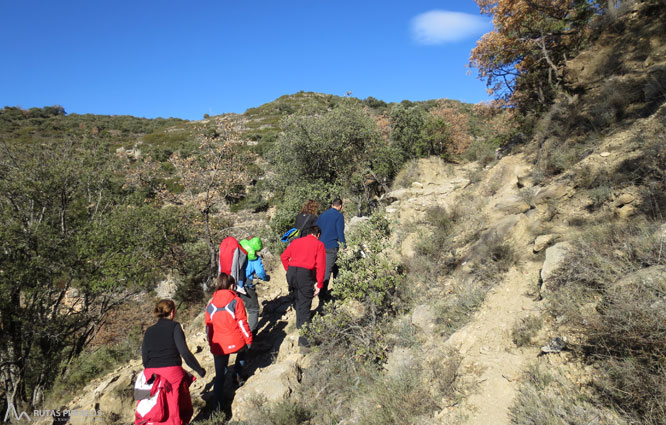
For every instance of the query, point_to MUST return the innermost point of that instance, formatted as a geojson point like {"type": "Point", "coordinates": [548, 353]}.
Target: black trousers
{"type": "Point", "coordinates": [331, 270]}
{"type": "Point", "coordinates": [251, 306]}
{"type": "Point", "coordinates": [301, 283]}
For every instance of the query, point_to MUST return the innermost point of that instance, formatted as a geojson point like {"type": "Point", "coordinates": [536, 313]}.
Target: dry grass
{"type": "Point", "coordinates": [547, 397]}
{"type": "Point", "coordinates": [611, 298]}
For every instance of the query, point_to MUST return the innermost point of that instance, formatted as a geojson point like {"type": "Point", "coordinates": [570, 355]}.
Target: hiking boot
{"type": "Point", "coordinates": [237, 380]}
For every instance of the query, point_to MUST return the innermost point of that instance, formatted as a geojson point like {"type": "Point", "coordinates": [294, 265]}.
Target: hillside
{"type": "Point", "coordinates": [480, 286]}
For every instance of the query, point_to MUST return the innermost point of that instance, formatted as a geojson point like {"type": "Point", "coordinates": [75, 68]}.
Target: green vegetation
{"type": "Point", "coordinates": [338, 148]}
{"type": "Point", "coordinates": [75, 244]}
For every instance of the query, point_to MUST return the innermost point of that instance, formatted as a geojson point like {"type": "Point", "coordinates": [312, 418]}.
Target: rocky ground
{"type": "Point", "coordinates": [535, 218]}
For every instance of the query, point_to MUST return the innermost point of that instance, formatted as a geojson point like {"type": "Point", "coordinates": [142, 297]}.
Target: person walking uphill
{"type": "Point", "coordinates": [233, 261]}
{"type": "Point", "coordinates": [162, 348]}
{"type": "Point", "coordinates": [307, 217]}
{"type": "Point", "coordinates": [227, 331]}
{"type": "Point", "coordinates": [305, 263]}
{"type": "Point", "coordinates": [332, 224]}
{"type": "Point", "coordinates": [255, 267]}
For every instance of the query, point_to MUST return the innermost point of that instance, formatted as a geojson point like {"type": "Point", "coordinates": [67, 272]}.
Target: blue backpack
{"type": "Point", "coordinates": [290, 235]}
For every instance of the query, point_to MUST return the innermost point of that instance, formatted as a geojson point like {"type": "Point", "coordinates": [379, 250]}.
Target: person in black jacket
{"type": "Point", "coordinates": [307, 217]}
{"type": "Point", "coordinates": [163, 346]}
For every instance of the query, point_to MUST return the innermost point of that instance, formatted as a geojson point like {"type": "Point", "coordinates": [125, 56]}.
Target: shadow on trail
{"type": "Point", "coordinates": [265, 347]}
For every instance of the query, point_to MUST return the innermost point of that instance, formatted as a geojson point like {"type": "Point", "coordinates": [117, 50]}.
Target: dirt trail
{"type": "Point", "coordinates": [492, 365]}
{"type": "Point", "coordinates": [490, 358]}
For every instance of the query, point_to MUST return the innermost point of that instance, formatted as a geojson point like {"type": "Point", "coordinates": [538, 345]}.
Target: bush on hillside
{"type": "Point", "coordinates": [369, 280]}
{"type": "Point", "coordinates": [623, 335]}
{"type": "Point", "coordinates": [340, 148]}
{"type": "Point", "coordinates": [365, 272]}
{"type": "Point", "coordinates": [548, 397]}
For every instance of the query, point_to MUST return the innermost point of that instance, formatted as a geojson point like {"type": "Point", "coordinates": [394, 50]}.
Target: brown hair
{"type": "Point", "coordinates": [164, 308]}
{"type": "Point", "coordinates": [310, 207]}
{"type": "Point", "coordinates": [224, 281]}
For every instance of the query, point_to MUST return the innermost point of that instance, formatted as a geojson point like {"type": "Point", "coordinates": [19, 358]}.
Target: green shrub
{"type": "Point", "coordinates": [94, 363]}
{"type": "Point", "coordinates": [293, 198]}
{"type": "Point", "coordinates": [365, 272]}
{"type": "Point", "coordinates": [370, 279]}
{"type": "Point", "coordinates": [482, 151]}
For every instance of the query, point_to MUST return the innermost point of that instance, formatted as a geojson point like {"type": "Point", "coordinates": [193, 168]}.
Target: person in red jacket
{"type": "Point", "coordinates": [233, 261]}
{"type": "Point", "coordinates": [227, 330]}
{"type": "Point", "coordinates": [305, 263]}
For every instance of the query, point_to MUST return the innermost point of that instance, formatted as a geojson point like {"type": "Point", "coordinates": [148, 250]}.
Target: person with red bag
{"type": "Point", "coordinates": [228, 332]}
{"type": "Point", "coordinates": [162, 348]}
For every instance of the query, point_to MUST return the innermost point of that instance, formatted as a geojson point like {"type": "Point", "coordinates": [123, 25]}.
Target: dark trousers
{"type": "Point", "coordinates": [331, 270]}
{"type": "Point", "coordinates": [251, 306]}
{"type": "Point", "coordinates": [221, 363]}
{"type": "Point", "coordinates": [301, 283]}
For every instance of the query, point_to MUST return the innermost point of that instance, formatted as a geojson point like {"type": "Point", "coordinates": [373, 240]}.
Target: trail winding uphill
{"type": "Point", "coordinates": [512, 209]}
{"type": "Point", "coordinates": [515, 212]}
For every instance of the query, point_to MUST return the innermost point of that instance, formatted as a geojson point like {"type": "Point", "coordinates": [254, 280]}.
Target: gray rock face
{"type": "Point", "coordinates": [555, 257]}
{"type": "Point", "coordinates": [649, 276]}
{"type": "Point", "coordinates": [555, 191]}
{"type": "Point", "coordinates": [399, 360]}
{"type": "Point", "coordinates": [424, 318]}
{"type": "Point", "coordinates": [355, 221]}
{"type": "Point", "coordinates": [166, 289]}
{"type": "Point", "coordinates": [283, 377]}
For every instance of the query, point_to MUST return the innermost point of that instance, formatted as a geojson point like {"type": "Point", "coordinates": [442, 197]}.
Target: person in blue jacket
{"type": "Point", "coordinates": [254, 268]}
{"type": "Point", "coordinates": [332, 224]}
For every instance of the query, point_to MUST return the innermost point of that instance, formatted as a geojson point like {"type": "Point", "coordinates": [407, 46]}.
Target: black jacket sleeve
{"type": "Point", "coordinates": [144, 353]}
{"type": "Point", "coordinates": [185, 353]}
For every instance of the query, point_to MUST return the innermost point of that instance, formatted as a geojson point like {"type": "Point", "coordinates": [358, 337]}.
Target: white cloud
{"type": "Point", "coordinates": [441, 26]}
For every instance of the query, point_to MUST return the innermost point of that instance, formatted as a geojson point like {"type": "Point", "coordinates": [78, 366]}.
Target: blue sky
{"type": "Point", "coordinates": [183, 59]}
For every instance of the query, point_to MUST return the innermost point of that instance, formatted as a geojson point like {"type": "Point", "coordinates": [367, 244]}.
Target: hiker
{"type": "Point", "coordinates": [255, 267]}
{"type": "Point", "coordinates": [307, 217]}
{"type": "Point", "coordinates": [332, 224]}
{"type": "Point", "coordinates": [305, 262]}
{"type": "Point", "coordinates": [228, 332]}
{"type": "Point", "coordinates": [233, 261]}
{"type": "Point", "coordinates": [162, 348]}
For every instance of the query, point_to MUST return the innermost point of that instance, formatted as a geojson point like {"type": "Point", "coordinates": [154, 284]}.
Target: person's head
{"type": "Point", "coordinates": [313, 230]}
{"type": "Point", "coordinates": [337, 204]}
{"type": "Point", "coordinates": [165, 309]}
{"type": "Point", "coordinates": [224, 281]}
{"type": "Point", "coordinates": [310, 207]}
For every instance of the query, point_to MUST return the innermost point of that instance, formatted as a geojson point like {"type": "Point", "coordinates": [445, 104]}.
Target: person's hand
{"type": "Point", "coordinates": [316, 291]}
